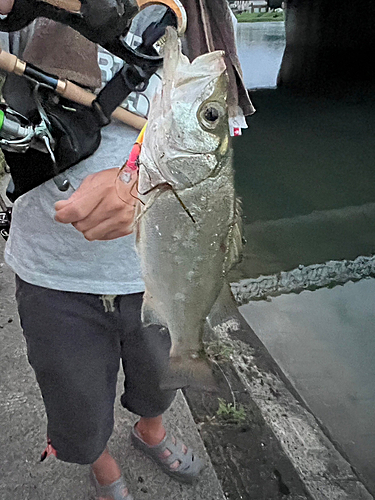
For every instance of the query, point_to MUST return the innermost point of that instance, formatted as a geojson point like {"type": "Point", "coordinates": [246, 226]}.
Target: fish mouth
{"type": "Point", "coordinates": [184, 79]}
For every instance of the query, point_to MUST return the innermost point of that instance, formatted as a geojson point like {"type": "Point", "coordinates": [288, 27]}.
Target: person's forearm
{"type": "Point", "coordinates": [6, 6]}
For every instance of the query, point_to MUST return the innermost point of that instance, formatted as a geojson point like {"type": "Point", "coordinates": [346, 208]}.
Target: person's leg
{"type": "Point", "coordinates": [145, 355]}
{"type": "Point", "coordinates": [108, 481]}
{"type": "Point", "coordinates": [151, 430]}
{"type": "Point", "coordinates": [74, 349]}
{"type": "Point", "coordinates": [145, 358]}
{"type": "Point", "coordinates": [106, 469]}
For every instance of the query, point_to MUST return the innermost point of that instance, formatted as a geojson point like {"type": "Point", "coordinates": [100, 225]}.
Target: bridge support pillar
{"type": "Point", "coordinates": [329, 45]}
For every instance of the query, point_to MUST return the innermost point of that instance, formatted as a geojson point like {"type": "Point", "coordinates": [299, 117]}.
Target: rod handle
{"type": "Point", "coordinates": [74, 93]}
{"type": "Point", "coordinates": [129, 118]}
{"type": "Point", "coordinates": [11, 64]}
{"type": "Point", "coordinates": [73, 6]}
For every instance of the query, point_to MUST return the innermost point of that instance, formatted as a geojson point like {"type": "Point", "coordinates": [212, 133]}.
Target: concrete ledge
{"type": "Point", "coordinates": [324, 473]}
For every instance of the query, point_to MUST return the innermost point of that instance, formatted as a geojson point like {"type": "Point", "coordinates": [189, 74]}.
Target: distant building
{"type": "Point", "coordinates": [254, 5]}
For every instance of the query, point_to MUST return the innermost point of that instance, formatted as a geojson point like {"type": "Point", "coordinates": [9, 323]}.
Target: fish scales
{"type": "Point", "coordinates": [188, 230]}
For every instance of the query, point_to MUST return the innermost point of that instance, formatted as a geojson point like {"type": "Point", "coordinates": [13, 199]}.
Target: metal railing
{"type": "Point", "coordinates": [328, 274]}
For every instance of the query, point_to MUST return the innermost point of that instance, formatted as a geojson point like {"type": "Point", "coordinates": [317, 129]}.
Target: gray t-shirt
{"type": "Point", "coordinates": [53, 255]}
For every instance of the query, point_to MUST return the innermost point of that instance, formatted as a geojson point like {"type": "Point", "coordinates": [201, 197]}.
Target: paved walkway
{"type": "Point", "coordinates": [23, 429]}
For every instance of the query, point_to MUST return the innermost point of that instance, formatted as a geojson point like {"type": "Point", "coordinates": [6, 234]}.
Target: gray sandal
{"type": "Point", "coordinates": [190, 465]}
{"type": "Point", "coordinates": [116, 491]}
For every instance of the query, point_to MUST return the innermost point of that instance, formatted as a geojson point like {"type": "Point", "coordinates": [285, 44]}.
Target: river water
{"type": "Point", "coordinates": [305, 172]}
{"type": "Point", "coordinates": [260, 48]}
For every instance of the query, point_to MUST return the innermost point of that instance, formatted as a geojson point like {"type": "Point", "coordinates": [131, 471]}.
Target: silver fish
{"type": "Point", "coordinates": [188, 231]}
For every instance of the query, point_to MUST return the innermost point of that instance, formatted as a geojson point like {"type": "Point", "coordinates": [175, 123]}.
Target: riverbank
{"type": "Point", "coordinates": [261, 17]}
{"type": "Point", "coordinates": [271, 446]}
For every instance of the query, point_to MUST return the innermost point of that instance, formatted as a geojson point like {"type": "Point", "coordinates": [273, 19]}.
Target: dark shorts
{"type": "Point", "coordinates": [75, 347]}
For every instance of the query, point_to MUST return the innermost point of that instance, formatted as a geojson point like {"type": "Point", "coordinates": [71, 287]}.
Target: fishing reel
{"type": "Point", "coordinates": [18, 134]}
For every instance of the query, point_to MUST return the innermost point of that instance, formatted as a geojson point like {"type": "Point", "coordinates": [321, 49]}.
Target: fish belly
{"type": "Point", "coordinates": [182, 242]}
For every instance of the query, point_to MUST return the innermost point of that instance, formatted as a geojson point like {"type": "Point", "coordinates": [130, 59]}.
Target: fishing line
{"type": "Point", "coordinates": [131, 189]}
{"type": "Point", "coordinates": [169, 187]}
{"type": "Point", "coordinates": [184, 206]}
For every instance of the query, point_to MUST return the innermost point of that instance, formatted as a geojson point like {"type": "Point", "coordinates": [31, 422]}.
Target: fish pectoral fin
{"type": "Point", "coordinates": [195, 373]}
{"type": "Point", "coordinates": [235, 241]}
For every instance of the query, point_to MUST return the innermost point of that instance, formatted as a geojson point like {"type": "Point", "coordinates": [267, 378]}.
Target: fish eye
{"type": "Point", "coordinates": [210, 114]}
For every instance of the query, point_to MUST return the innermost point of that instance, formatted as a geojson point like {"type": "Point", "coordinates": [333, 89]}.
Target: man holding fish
{"type": "Point", "coordinates": [80, 298]}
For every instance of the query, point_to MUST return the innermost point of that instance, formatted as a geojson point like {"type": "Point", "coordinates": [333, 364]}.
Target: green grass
{"type": "Point", "coordinates": [260, 17]}
{"type": "Point", "coordinates": [234, 414]}
{"type": "Point", "coordinates": [219, 350]}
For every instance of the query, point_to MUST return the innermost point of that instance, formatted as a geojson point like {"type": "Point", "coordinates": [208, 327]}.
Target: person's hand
{"type": "Point", "coordinates": [6, 6]}
{"type": "Point", "coordinates": [102, 208]}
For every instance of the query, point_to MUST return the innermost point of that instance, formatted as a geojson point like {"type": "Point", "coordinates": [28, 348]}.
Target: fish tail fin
{"type": "Point", "coordinates": [193, 372]}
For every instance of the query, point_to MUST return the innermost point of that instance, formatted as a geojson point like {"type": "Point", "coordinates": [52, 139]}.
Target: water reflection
{"type": "Point", "coordinates": [260, 49]}
{"type": "Point", "coordinates": [305, 173]}
{"type": "Point", "coordinates": [324, 341]}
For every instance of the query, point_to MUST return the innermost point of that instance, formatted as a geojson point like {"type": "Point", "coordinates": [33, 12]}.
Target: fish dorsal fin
{"type": "Point", "coordinates": [178, 70]}
{"type": "Point", "coordinates": [171, 56]}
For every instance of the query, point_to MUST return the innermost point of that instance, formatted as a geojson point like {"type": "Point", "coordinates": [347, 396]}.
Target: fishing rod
{"type": "Point", "coordinates": [82, 127]}
{"type": "Point", "coordinates": [12, 64]}
{"type": "Point", "coordinates": [17, 20]}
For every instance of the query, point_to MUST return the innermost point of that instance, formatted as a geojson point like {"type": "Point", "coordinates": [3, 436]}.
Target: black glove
{"type": "Point", "coordinates": [101, 21]}
{"type": "Point", "coordinates": [98, 12]}
{"type": "Point", "coordinates": [104, 22]}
